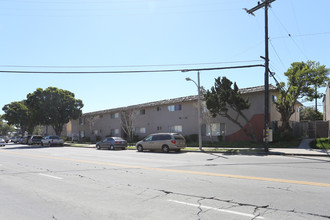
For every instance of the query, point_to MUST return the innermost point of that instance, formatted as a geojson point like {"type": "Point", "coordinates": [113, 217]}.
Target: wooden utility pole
{"type": "Point", "coordinates": [265, 4]}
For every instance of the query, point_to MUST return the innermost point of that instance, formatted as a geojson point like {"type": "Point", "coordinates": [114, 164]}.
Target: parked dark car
{"type": "Point", "coordinates": [35, 139]}
{"type": "Point", "coordinates": [112, 143]}
{"type": "Point", "coordinates": [162, 141]}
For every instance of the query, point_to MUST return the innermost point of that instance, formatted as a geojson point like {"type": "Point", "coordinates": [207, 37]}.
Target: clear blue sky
{"type": "Point", "coordinates": [104, 35]}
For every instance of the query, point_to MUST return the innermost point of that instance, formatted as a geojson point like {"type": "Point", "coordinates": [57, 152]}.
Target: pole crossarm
{"type": "Point", "coordinates": [263, 4]}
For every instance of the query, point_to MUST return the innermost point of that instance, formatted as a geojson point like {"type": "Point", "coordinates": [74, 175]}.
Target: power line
{"type": "Point", "coordinates": [301, 35]}
{"type": "Point", "coordinates": [129, 71]}
{"type": "Point", "coordinates": [129, 66]}
{"type": "Point", "coordinates": [286, 30]}
{"type": "Point", "coordinates": [279, 58]}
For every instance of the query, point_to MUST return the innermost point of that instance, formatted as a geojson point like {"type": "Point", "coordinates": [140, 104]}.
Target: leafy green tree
{"type": "Point", "coordinates": [301, 79]}
{"type": "Point", "coordinates": [54, 107]}
{"type": "Point", "coordinates": [319, 76]}
{"type": "Point", "coordinates": [226, 101]}
{"type": "Point", "coordinates": [18, 114]}
{"type": "Point", "coordinates": [309, 114]}
{"type": "Point", "coordinates": [5, 128]}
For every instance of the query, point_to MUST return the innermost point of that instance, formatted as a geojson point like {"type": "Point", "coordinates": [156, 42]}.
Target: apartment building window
{"type": "Point", "coordinates": [274, 98]}
{"type": "Point", "coordinates": [82, 134]}
{"type": "Point", "coordinates": [159, 109]}
{"type": "Point", "coordinates": [114, 115]}
{"type": "Point", "coordinates": [215, 129]}
{"type": "Point", "coordinates": [142, 112]}
{"type": "Point", "coordinates": [81, 121]}
{"type": "Point", "coordinates": [175, 128]}
{"type": "Point", "coordinates": [173, 108]}
{"type": "Point", "coordinates": [114, 131]}
{"type": "Point", "coordinates": [159, 128]}
{"type": "Point", "coordinates": [96, 132]}
{"type": "Point", "coordinates": [140, 130]}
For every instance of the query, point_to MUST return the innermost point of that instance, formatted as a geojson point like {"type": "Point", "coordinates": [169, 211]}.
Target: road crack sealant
{"type": "Point", "coordinates": [257, 208]}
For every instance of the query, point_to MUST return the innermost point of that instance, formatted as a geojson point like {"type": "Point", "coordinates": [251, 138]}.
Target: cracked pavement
{"type": "Point", "coordinates": [88, 184]}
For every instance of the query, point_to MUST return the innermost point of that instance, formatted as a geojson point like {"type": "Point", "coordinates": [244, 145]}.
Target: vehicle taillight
{"type": "Point", "coordinates": [173, 141]}
{"type": "Point", "coordinates": [116, 142]}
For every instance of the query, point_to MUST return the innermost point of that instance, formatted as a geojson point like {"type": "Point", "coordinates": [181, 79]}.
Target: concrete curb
{"type": "Point", "coordinates": [274, 151]}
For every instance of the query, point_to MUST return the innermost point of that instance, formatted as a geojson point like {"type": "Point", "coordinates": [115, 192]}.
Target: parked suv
{"type": "Point", "coordinates": [162, 141]}
{"type": "Point", "coordinates": [35, 139]}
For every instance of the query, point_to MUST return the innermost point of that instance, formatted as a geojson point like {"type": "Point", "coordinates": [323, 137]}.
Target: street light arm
{"type": "Point", "coordinates": [188, 79]}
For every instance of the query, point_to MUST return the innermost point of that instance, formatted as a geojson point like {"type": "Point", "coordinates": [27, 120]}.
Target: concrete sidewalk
{"type": "Point", "coordinates": [299, 152]}
{"type": "Point", "coordinates": [303, 150]}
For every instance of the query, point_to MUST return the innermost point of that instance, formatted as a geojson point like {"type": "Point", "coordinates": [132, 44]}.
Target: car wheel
{"type": "Point", "coordinates": [112, 147]}
{"type": "Point", "coordinates": [165, 149]}
{"type": "Point", "coordinates": [98, 147]}
{"type": "Point", "coordinates": [139, 148]}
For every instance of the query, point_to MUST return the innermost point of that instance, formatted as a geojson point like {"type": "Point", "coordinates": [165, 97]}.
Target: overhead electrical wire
{"type": "Point", "coordinates": [279, 58]}
{"type": "Point", "coordinates": [301, 35]}
{"type": "Point", "coordinates": [128, 71]}
{"type": "Point", "coordinates": [129, 66]}
{"type": "Point", "coordinates": [286, 30]}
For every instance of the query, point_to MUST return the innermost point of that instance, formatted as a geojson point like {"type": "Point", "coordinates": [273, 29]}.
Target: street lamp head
{"type": "Point", "coordinates": [188, 79]}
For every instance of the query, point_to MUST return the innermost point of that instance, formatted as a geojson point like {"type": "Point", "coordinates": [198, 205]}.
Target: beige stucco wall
{"type": "Point", "coordinates": [158, 118]}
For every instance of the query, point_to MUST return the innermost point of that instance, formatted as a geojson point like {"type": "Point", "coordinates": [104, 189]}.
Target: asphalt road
{"type": "Point", "coordinates": [83, 183]}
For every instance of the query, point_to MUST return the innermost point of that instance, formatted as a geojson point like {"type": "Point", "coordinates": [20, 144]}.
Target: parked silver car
{"type": "Point", "coordinates": [35, 139]}
{"type": "Point", "coordinates": [112, 143]}
{"type": "Point", "coordinates": [5, 138]}
{"type": "Point", "coordinates": [162, 141]}
{"type": "Point", "coordinates": [2, 142]}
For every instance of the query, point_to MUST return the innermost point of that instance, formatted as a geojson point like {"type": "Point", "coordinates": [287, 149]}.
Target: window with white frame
{"type": "Point", "coordinates": [114, 115]}
{"type": "Point", "coordinates": [175, 128]}
{"type": "Point", "coordinates": [114, 131]}
{"type": "Point", "coordinates": [274, 98]}
{"type": "Point", "coordinates": [173, 108]}
{"type": "Point", "coordinates": [142, 112]}
{"type": "Point", "coordinates": [215, 129]}
{"type": "Point", "coordinates": [140, 130]}
{"type": "Point", "coordinates": [82, 134]}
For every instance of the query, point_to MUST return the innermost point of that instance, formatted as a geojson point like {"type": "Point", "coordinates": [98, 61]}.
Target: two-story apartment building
{"type": "Point", "coordinates": [175, 115]}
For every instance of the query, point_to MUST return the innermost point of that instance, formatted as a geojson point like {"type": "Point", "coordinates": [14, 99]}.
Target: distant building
{"type": "Point", "coordinates": [326, 104]}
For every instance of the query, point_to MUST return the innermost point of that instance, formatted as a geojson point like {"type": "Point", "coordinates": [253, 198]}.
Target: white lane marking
{"type": "Point", "coordinates": [216, 209]}
{"type": "Point", "coordinates": [55, 177]}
